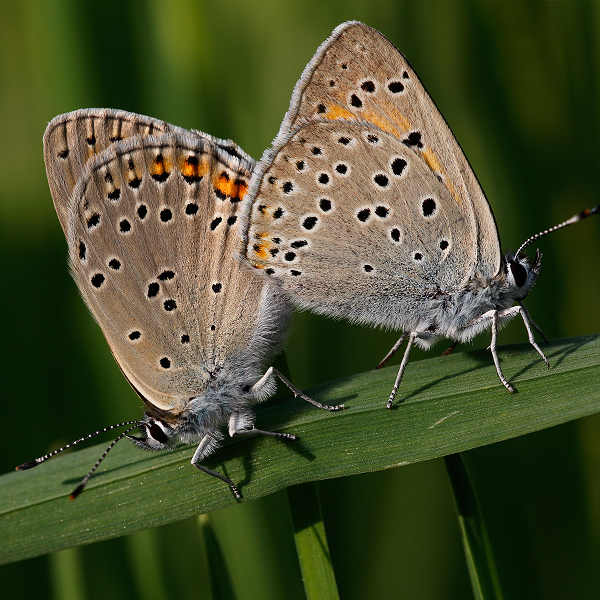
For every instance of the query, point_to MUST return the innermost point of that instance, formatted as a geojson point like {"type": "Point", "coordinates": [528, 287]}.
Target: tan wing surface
{"type": "Point", "coordinates": [152, 238]}
{"type": "Point", "coordinates": [349, 238]}
{"type": "Point", "coordinates": [74, 138]}
{"type": "Point", "coordinates": [359, 77]}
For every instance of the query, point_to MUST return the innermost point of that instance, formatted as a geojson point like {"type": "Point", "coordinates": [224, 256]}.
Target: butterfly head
{"type": "Point", "coordinates": [156, 434]}
{"type": "Point", "coordinates": [521, 273]}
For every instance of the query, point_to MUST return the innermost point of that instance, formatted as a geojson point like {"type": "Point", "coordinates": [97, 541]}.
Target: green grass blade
{"type": "Point", "coordinates": [145, 556]}
{"type": "Point", "coordinates": [450, 404]}
{"type": "Point", "coordinates": [67, 575]}
{"type": "Point", "coordinates": [221, 585]}
{"type": "Point", "coordinates": [476, 544]}
{"type": "Point", "coordinates": [311, 543]}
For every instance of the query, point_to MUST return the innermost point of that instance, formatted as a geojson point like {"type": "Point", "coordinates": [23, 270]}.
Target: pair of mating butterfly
{"type": "Point", "coordinates": [365, 208]}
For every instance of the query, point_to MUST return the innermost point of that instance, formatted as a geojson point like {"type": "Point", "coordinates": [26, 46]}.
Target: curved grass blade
{"type": "Point", "coordinates": [449, 404]}
{"type": "Point", "coordinates": [311, 543]}
{"type": "Point", "coordinates": [476, 544]}
{"type": "Point", "coordinates": [221, 586]}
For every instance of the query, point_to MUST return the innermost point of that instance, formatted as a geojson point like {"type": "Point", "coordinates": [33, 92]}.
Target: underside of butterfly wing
{"type": "Point", "coordinates": [361, 239]}
{"type": "Point", "coordinates": [359, 77]}
{"type": "Point", "coordinates": [74, 138]}
{"type": "Point", "coordinates": [153, 235]}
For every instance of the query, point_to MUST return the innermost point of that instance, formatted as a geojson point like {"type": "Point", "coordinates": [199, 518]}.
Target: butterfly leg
{"type": "Point", "coordinates": [528, 322]}
{"type": "Point", "coordinates": [509, 313]}
{"type": "Point", "coordinates": [494, 316]}
{"type": "Point", "coordinates": [506, 314]}
{"type": "Point", "coordinates": [206, 447]}
{"type": "Point", "coordinates": [240, 424]}
{"type": "Point", "coordinates": [411, 340]}
{"type": "Point", "coordinates": [533, 323]}
{"type": "Point", "coordinates": [272, 371]}
{"type": "Point", "coordinates": [392, 351]}
{"type": "Point", "coordinates": [449, 349]}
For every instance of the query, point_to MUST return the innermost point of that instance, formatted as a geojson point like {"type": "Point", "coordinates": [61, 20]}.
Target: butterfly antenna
{"type": "Point", "coordinates": [39, 461]}
{"type": "Point", "coordinates": [84, 481]}
{"type": "Point", "coordinates": [588, 212]}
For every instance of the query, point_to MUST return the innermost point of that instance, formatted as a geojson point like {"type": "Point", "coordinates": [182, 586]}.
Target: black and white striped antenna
{"type": "Point", "coordinates": [79, 488]}
{"type": "Point", "coordinates": [588, 212]}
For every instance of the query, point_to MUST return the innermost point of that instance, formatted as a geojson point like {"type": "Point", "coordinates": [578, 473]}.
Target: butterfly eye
{"type": "Point", "coordinates": [519, 273]}
{"type": "Point", "coordinates": [157, 433]}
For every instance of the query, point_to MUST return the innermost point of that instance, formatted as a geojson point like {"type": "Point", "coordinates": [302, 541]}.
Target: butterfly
{"type": "Point", "coordinates": [366, 207]}
{"type": "Point", "coordinates": [150, 212]}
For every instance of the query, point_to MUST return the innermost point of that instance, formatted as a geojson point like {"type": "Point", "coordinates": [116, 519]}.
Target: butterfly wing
{"type": "Point", "coordinates": [358, 79]}
{"type": "Point", "coordinates": [72, 139]}
{"type": "Point", "coordinates": [373, 82]}
{"type": "Point", "coordinates": [152, 236]}
{"type": "Point", "coordinates": [340, 234]}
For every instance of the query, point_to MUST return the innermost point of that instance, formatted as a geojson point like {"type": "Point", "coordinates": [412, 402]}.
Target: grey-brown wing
{"type": "Point", "coordinates": [74, 138]}
{"type": "Point", "coordinates": [358, 75]}
{"type": "Point", "coordinates": [152, 235]}
{"type": "Point", "coordinates": [352, 224]}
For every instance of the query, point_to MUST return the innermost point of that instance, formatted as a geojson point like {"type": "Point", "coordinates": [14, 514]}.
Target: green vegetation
{"type": "Point", "coordinates": [517, 82]}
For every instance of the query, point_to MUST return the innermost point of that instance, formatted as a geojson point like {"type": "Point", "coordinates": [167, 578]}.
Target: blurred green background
{"type": "Point", "coordinates": [518, 84]}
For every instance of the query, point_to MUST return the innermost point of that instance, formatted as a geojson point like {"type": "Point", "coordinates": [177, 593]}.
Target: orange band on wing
{"type": "Point", "coordinates": [398, 126]}
{"type": "Point", "coordinates": [436, 166]}
{"type": "Point", "coordinates": [234, 189]}
{"type": "Point", "coordinates": [388, 126]}
{"type": "Point", "coordinates": [260, 250]}
{"type": "Point", "coordinates": [192, 169]}
{"type": "Point", "coordinates": [160, 168]}
{"type": "Point", "coordinates": [335, 111]}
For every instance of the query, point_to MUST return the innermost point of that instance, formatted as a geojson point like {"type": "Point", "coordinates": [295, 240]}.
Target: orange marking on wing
{"type": "Point", "coordinates": [191, 168]}
{"type": "Point", "coordinates": [385, 125]}
{"type": "Point", "coordinates": [224, 185]}
{"type": "Point", "coordinates": [267, 211]}
{"type": "Point", "coordinates": [436, 166]}
{"type": "Point", "coordinates": [335, 111]}
{"type": "Point", "coordinates": [240, 187]}
{"type": "Point", "coordinates": [161, 166]}
{"type": "Point", "coordinates": [262, 209]}
{"type": "Point", "coordinates": [227, 188]}
{"type": "Point", "coordinates": [260, 251]}
{"type": "Point", "coordinates": [432, 160]}
{"type": "Point", "coordinates": [397, 117]}
{"type": "Point", "coordinates": [397, 125]}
